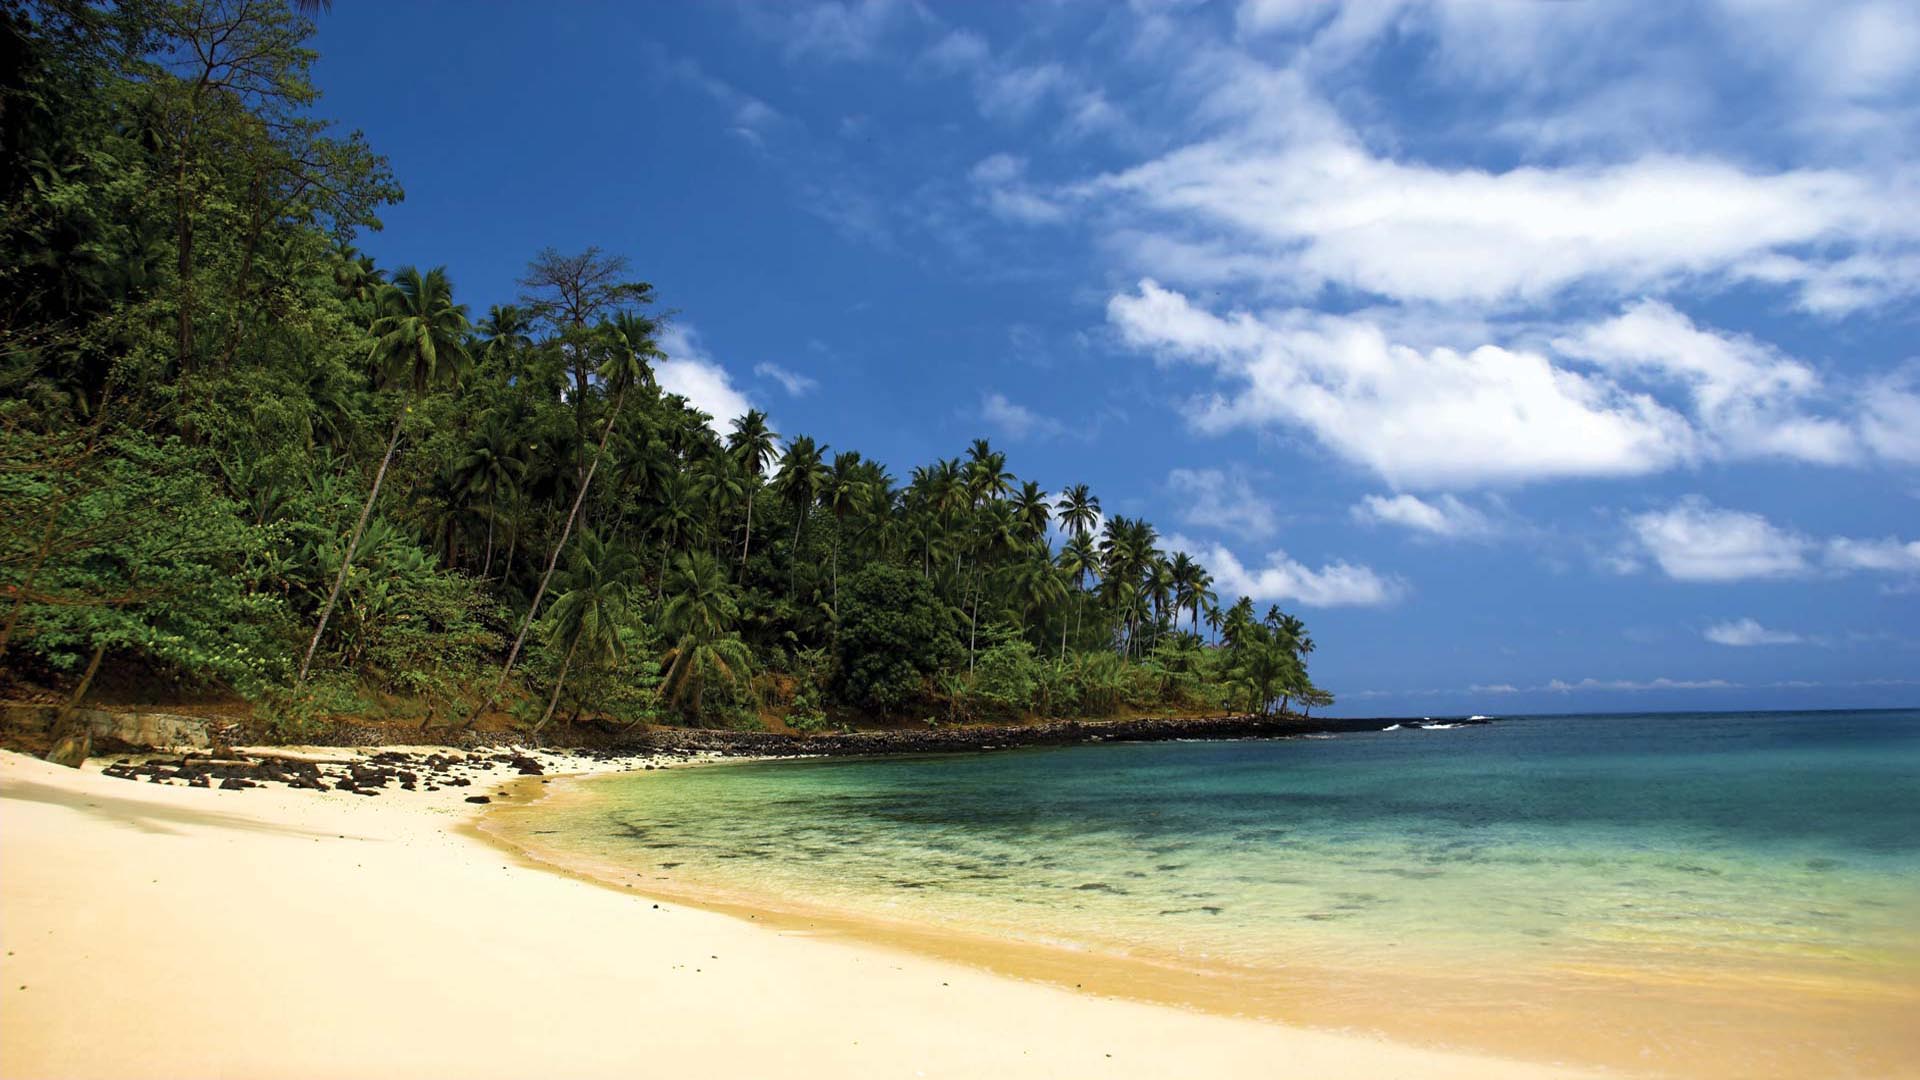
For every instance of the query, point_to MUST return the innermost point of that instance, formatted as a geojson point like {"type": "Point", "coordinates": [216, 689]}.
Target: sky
{"type": "Point", "coordinates": [1543, 357]}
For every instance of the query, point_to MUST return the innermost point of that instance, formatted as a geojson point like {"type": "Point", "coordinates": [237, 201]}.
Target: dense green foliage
{"type": "Point", "coordinates": [236, 453]}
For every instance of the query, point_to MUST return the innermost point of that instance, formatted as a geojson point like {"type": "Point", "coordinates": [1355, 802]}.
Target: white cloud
{"type": "Point", "coordinates": [1446, 516]}
{"type": "Point", "coordinates": [796, 384]}
{"type": "Point", "coordinates": [1887, 555]}
{"type": "Point", "coordinates": [1001, 182]}
{"type": "Point", "coordinates": [1745, 392]}
{"type": "Point", "coordinates": [1747, 633]}
{"type": "Point", "coordinates": [833, 30]}
{"type": "Point", "coordinates": [1636, 393]}
{"type": "Point", "coordinates": [1890, 421]}
{"type": "Point", "coordinates": [1330, 212]}
{"type": "Point", "coordinates": [1014, 420]}
{"type": "Point", "coordinates": [748, 117]}
{"type": "Point", "coordinates": [1213, 499]}
{"type": "Point", "coordinates": [1662, 683]}
{"type": "Point", "coordinates": [691, 372]}
{"type": "Point", "coordinates": [1283, 578]}
{"type": "Point", "coordinates": [1694, 540]}
{"type": "Point", "coordinates": [1433, 417]}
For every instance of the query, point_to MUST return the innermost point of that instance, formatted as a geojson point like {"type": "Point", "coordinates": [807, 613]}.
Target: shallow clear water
{"type": "Point", "coordinates": [1748, 861]}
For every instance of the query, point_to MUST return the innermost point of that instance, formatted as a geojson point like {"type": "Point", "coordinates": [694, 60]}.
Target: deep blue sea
{"type": "Point", "coordinates": [1681, 891]}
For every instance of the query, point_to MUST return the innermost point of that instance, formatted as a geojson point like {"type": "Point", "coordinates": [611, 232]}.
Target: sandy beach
{"type": "Point", "coordinates": [155, 930]}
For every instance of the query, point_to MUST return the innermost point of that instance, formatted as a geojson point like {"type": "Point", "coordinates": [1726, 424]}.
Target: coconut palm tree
{"type": "Point", "coordinates": [505, 334]}
{"type": "Point", "coordinates": [1030, 506]}
{"type": "Point", "coordinates": [1079, 510]}
{"type": "Point", "coordinates": [798, 482]}
{"type": "Point", "coordinates": [752, 445]}
{"type": "Point", "coordinates": [698, 618]}
{"type": "Point", "coordinates": [595, 607]}
{"type": "Point", "coordinates": [844, 495]}
{"type": "Point", "coordinates": [1078, 558]}
{"type": "Point", "coordinates": [420, 342]}
{"type": "Point", "coordinates": [491, 469]}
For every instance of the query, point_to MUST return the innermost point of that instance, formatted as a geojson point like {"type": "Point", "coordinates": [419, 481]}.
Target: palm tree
{"type": "Point", "coordinates": [505, 334]}
{"type": "Point", "coordinates": [1078, 558]}
{"type": "Point", "coordinates": [751, 444]}
{"type": "Point", "coordinates": [491, 468]}
{"type": "Point", "coordinates": [590, 614]}
{"type": "Point", "coordinates": [1035, 513]}
{"type": "Point", "coordinates": [698, 618]}
{"type": "Point", "coordinates": [845, 494]}
{"type": "Point", "coordinates": [628, 362]}
{"type": "Point", "coordinates": [1079, 510]}
{"type": "Point", "coordinates": [419, 343]}
{"type": "Point", "coordinates": [798, 482]}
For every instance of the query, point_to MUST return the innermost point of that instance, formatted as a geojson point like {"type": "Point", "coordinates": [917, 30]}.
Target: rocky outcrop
{"type": "Point", "coordinates": [113, 730]}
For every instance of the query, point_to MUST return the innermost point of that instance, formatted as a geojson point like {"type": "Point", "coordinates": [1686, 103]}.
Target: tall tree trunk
{"type": "Point", "coordinates": [346, 559]}
{"type": "Point", "coordinates": [546, 576]}
{"type": "Point", "coordinates": [1063, 632]}
{"type": "Point", "coordinates": [558, 683]}
{"type": "Point", "coordinates": [72, 747]}
{"type": "Point", "coordinates": [747, 547]}
{"type": "Point", "coordinates": [793, 564]}
{"type": "Point", "coordinates": [486, 564]}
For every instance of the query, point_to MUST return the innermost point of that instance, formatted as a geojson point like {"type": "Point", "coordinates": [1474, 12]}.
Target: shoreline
{"type": "Point", "coordinates": [1554, 1031]}
{"type": "Point", "coordinates": [297, 933]}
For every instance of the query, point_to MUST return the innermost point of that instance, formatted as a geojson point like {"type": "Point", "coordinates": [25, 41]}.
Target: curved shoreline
{"type": "Point", "coordinates": [1594, 1026]}
{"type": "Point", "coordinates": [157, 929]}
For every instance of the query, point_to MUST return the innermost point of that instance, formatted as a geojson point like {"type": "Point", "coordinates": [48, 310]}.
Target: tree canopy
{"type": "Point", "coordinates": [237, 453]}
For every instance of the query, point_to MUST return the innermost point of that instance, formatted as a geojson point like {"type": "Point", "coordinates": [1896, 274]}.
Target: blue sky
{"type": "Point", "coordinates": [1543, 357]}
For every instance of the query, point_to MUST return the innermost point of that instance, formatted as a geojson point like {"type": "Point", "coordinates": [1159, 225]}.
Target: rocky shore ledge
{"type": "Point", "coordinates": [22, 725]}
{"type": "Point", "coordinates": [980, 737]}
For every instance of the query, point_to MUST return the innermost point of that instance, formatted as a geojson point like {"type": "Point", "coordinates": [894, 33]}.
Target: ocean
{"type": "Point", "coordinates": [1728, 894]}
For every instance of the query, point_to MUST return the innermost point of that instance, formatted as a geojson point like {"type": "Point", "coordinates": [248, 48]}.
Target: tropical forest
{"type": "Point", "coordinates": [241, 460]}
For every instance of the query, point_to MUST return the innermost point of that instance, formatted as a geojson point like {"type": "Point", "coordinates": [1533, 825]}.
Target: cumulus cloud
{"type": "Point", "coordinates": [691, 372]}
{"type": "Point", "coordinates": [1887, 555]}
{"type": "Point", "coordinates": [1635, 393]}
{"type": "Point", "coordinates": [1746, 394]}
{"type": "Point", "coordinates": [1014, 420]}
{"type": "Point", "coordinates": [1694, 540]}
{"type": "Point", "coordinates": [1446, 516]}
{"type": "Point", "coordinates": [1748, 632]}
{"type": "Point", "coordinates": [1282, 578]}
{"type": "Point", "coordinates": [1417, 417]}
{"type": "Point", "coordinates": [796, 384]}
{"type": "Point", "coordinates": [1226, 501]}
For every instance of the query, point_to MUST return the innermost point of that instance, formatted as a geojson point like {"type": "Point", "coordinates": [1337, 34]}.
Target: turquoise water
{"type": "Point", "coordinates": [1767, 861]}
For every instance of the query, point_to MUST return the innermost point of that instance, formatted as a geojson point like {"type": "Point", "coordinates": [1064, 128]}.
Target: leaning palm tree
{"type": "Point", "coordinates": [420, 342]}
{"type": "Point", "coordinates": [751, 444]}
{"type": "Point", "coordinates": [590, 614]}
